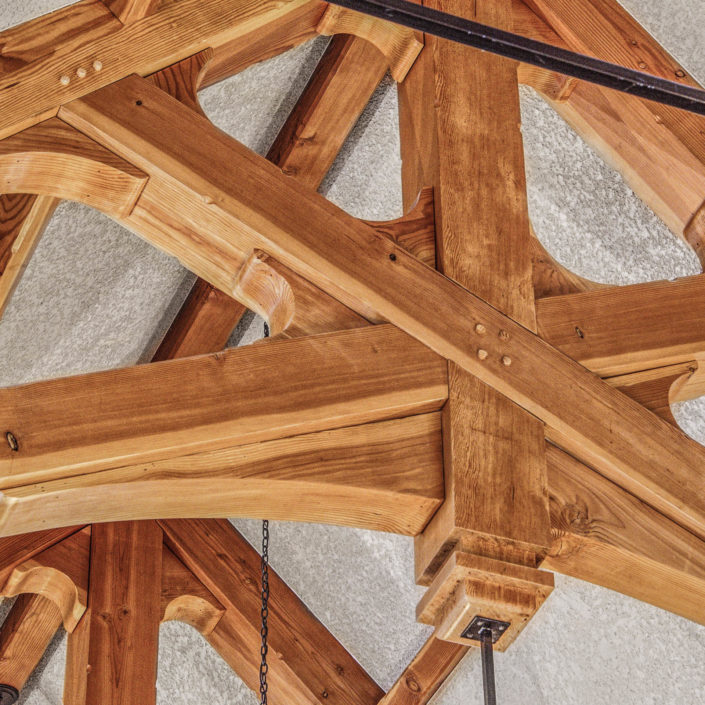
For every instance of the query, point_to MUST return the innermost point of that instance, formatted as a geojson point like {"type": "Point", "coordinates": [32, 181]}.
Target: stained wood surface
{"type": "Point", "coordinates": [399, 45]}
{"type": "Point", "coordinates": [59, 573]}
{"type": "Point", "coordinates": [26, 632]}
{"type": "Point", "coordinates": [427, 671]}
{"type": "Point", "coordinates": [606, 536]}
{"type": "Point", "coordinates": [628, 328]}
{"type": "Point", "coordinates": [57, 44]}
{"type": "Point", "coordinates": [495, 486]}
{"type": "Point", "coordinates": [339, 89]}
{"type": "Point", "coordinates": [311, 665]}
{"type": "Point", "coordinates": [17, 549]}
{"type": "Point", "coordinates": [386, 476]}
{"type": "Point", "coordinates": [49, 151]}
{"type": "Point", "coordinates": [128, 11]}
{"type": "Point", "coordinates": [124, 615]}
{"type": "Point", "coordinates": [185, 598]}
{"type": "Point", "coordinates": [65, 428]}
{"type": "Point", "coordinates": [23, 218]}
{"type": "Point", "coordinates": [348, 260]}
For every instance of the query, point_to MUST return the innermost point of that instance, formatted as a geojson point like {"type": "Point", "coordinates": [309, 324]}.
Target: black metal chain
{"type": "Point", "coordinates": [263, 668]}
{"type": "Point", "coordinates": [264, 631]}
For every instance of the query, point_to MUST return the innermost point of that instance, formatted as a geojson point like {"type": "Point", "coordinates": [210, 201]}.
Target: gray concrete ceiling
{"type": "Point", "coordinates": [96, 297]}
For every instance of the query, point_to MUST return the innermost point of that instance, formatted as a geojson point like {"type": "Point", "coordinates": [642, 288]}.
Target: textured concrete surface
{"type": "Point", "coordinates": [95, 297]}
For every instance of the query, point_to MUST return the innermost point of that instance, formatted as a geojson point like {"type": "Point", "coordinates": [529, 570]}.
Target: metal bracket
{"type": "Point", "coordinates": [476, 627]}
{"type": "Point", "coordinates": [8, 694]}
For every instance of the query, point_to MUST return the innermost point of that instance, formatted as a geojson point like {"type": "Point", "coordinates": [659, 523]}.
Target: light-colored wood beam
{"type": "Point", "coordinates": [427, 671]}
{"type": "Point", "coordinates": [385, 476]}
{"type": "Point", "coordinates": [112, 656]}
{"type": "Point", "coordinates": [23, 218]}
{"type": "Point", "coordinates": [606, 536]}
{"type": "Point", "coordinates": [312, 667]}
{"type": "Point", "coordinates": [49, 151]}
{"type": "Point", "coordinates": [25, 635]}
{"type": "Point", "coordinates": [64, 427]}
{"type": "Point", "coordinates": [624, 329]}
{"type": "Point", "coordinates": [348, 260]}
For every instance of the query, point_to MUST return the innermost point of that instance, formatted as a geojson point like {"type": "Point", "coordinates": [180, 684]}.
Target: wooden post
{"type": "Point", "coordinates": [496, 502]}
{"type": "Point", "coordinates": [114, 648]}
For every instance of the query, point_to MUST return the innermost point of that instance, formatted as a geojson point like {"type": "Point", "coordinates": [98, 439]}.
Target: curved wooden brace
{"type": "Point", "coordinates": [53, 159]}
{"type": "Point", "coordinates": [400, 45]}
{"type": "Point", "coordinates": [183, 79]}
{"type": "Point", "coordinates": [60, 574]}
{"type": "Point", "coordinates": [185, 598]}
{"type": "Point", "coordinates": [694, 233]}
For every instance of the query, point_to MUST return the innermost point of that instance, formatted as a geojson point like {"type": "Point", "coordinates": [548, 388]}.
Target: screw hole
{"type": "Point", "coordinates": [12, 441]}
{"type": "Point", "coordinates": [139, 102]}
{"type": "Point", "coordinates": [393, 257]}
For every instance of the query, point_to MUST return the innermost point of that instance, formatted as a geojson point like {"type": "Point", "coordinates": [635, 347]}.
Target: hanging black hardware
{"type": "Point", "coordinates": [8, 695]}
{"type": "Point", "coordinates": [488, 667]}
{"type": "Point", "coordinates": [264, 632]}
{"type": "Point", "coordinates": [530, 51]}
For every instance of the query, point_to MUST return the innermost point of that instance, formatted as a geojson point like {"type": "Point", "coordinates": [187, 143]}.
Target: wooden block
{"type": "Point", "coordinates": [468, 586]}
{"type": "Point", "coordinates": [128, 11]}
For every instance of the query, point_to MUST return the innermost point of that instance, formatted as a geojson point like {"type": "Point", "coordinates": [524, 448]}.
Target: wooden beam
{"type": "Point", "coordinates": [386, 476]}
{"type": "Point", "coordinates": [115, 651]}
{"type": "Point", "coordinates": [59, 573]}
{"type": "Point", "coordinates": [266, 210]}
{"type": "Point", "coordinates": [640, 139]}
{"type": "Point", "coordinates": [333, 100]}
{"type": "Point", "coordinates": [606, 536]}
{"type": "Point", "coordinates": [83, 47]}
{"type": "Point", "coordinates": [495, 487]}
{"type": "Point", "coordinates": [64, 427]}
{"type": "Point", "coordinates": [185, 598]}
{"type": "Point", "coordinates": [23, 218]}
{"type": "Point", "coordinates": [51, 150]}
{"type": "Point", "coordinates": [128, 11]}
{"type": "Point", "coordinates": [421, 679]}
{"type": "Point", "coordinates": [25, 635]}
{"type": "Point", "coordinates": [624, 329]}
{"type": "Point", "coordinates": [311, 665]}
{"type": "Point", "coordinates": [15, 550]}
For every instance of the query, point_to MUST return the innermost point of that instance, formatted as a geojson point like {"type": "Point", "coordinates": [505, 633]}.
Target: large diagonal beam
{"type": "Point", "coordinates": [263, 208]}
{"type": "Point", "coordinates": [606, 536]}
{"type": "Point", "coordinates": [312, 667]}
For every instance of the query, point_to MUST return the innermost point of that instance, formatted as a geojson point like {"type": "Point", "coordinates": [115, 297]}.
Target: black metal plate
{"type": "Point", "coordinates": [475, 628]}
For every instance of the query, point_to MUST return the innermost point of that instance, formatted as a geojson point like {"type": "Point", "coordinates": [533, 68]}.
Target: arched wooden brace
{"type": "Point", "coordinates": [59, 573]}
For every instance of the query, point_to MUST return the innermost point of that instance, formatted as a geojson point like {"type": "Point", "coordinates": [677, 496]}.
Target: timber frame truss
{"type": "Point", "coordinates": [438, 375]}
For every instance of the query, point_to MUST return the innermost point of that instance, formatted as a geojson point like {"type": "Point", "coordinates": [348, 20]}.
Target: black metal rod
{"type": "Point", "coordinates": [488, 667]}
{"type": "Point", "coordinates": [530, 51]}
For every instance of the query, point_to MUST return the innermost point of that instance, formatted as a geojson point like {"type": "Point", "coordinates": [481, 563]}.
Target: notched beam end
{"type": "Point", "coordinates": [400, 45]}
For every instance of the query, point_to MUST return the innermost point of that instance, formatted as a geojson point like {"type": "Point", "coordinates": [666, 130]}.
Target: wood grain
{"type": "Point", "coordinates": [386, 476]}
{"type": "Point", "coordinates": [606, 536]}
{"type": "Point", "coordinates": [311, 665]}
{"type": "Point", "coordinates": [65, 428]}
{"type": "Point", "coordinates": [427, 671]}
{"type": "Point", "coordinates": [266, 210]}
{"type": "Point", "coordinates": [624, 329]}
{"type": "Point", "coordinates": [23, 218]}
{"type": "Point", "coordinates": [73, 38]}
{"type": "Point", "coordinates": [128, 11]}
{"type": "Point", "coordinates": [38, 159]}
{"type": "Point", "coordinates": [124, 614]}
{"type": "Point", "coordinates": [26, 632]}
